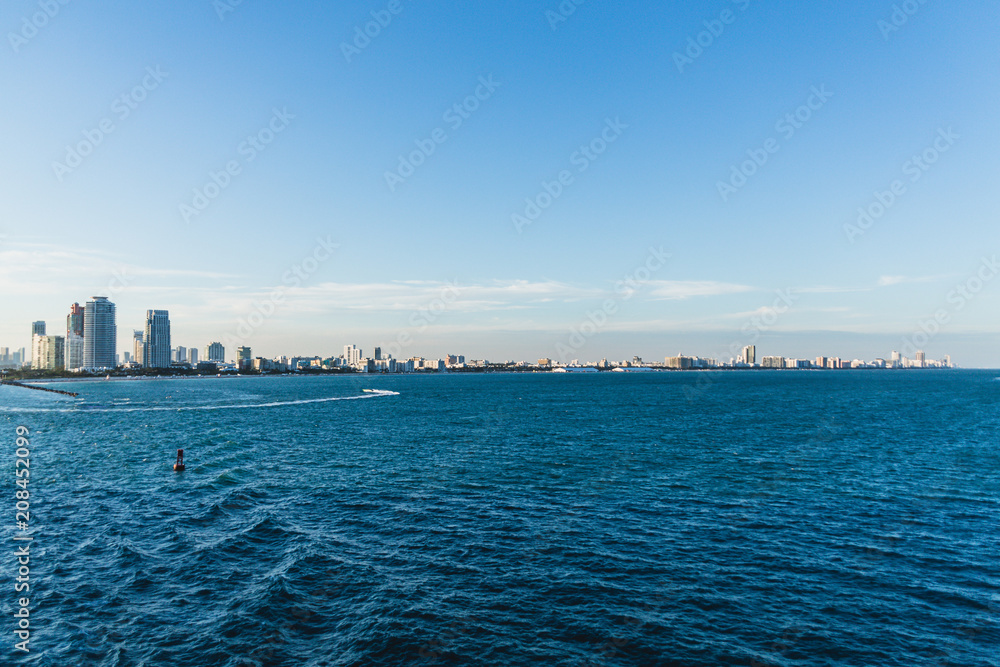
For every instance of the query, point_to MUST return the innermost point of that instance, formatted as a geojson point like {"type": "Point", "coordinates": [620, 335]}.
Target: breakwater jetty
{"type": "Point", "coordinates": [31, 386]}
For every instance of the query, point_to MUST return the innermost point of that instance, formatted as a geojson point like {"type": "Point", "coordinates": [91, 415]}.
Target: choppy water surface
{"type": "Point", "coordinates": [611, 519]}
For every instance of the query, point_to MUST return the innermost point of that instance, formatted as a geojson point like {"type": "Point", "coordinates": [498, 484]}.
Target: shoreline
{"type": "Point", "coordinates": [28, 381]}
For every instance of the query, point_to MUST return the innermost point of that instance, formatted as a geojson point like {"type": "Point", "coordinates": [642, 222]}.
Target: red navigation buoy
{"type": "Point", "coordinates": [179, 466]}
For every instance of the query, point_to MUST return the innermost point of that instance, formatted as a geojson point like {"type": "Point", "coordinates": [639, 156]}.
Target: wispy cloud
{"type": "Point", "coordinates": [40, 268]}
{"type": "Point", "coordinates": [889, 281]}
{"type": "Point", "coordinates": [687, 289]}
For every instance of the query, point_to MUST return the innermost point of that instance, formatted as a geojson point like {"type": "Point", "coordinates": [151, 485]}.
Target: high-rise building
{"type": "Point", "coordinates": [38, 328]}
{"type": "Point", "coordinates": [215, 353]}
{"type": "Point", "coordinates": [156, 341]}
{"type": "Point", "coordinates": [378, 354]}
{"type": "Point", "coordinates": [138, 346]}
{"type": "Point", "coordinates": [244, 358]}
{"type": "Point", "coordinates": [182, 354]}
{"type": "Point", "coordinates": [749, 355]}
{"type": "Point", "coordinates": [36, 354]}
{"type": "Point", "coordinates": [75, 319]}
{"type": "Point", "coordinates": [193, 356]}
{"type": "Point", "coordinates": [921, 359]}
{"type": "Point", "coordinates": [100, 334]}
{"type": "Point", "coordinates": [49, 353]}
{"type": "Point", "coordinates": [74, 351]}
{"type": "Point", "coordinates": [352, 355]}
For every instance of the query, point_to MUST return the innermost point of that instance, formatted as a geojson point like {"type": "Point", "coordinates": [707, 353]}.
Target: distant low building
{"type": "Point", "coordinates": [679, 362]}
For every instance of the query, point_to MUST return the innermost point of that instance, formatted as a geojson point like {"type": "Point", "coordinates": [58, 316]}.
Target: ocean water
{"type": "Point", "coordinates": [748, 518]}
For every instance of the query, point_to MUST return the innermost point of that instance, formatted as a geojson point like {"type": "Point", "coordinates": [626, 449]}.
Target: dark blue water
{"type": "Point", "coordinates": [614, 519]}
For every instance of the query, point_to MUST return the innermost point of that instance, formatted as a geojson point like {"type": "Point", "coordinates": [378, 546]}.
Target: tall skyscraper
{"type": "Point", "coordinates": [156, 346]}
{"type": "Point", "coordinates": [215, 353]}
{"type": "Point", "coordinates": [137, 346]}
{"type": "Point", "coordinates": [74, 321]}
{"type": "Point", "coordinates": [73, 354]}
{"type": "Point", "coordinates": [100, 334]}
{"type": "Point", "coordinates": [38, 328]}
{"type": "Point", "coordinates": [193, 356]}
{"type": "Point", "coordinates": [36, 352]}
{"type": "Point", "coordinates": [749, 355]}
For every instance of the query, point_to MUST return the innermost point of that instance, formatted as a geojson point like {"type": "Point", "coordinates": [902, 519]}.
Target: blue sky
{"type": "Point", "coordinates": [437, 260]}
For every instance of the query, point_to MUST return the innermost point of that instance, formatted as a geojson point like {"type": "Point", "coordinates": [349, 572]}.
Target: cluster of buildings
{"type": "Point", "coordinates": [748, 359]}
{"type": "Point", "coordinates": [91, 341]}
{"type": "Point", "coordinates": [352, 360]}
{"type": "Point", "coordinates": [90, 344]}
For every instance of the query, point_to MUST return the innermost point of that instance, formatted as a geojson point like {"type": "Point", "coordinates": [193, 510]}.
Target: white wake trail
{"type": "Point", "coordinates": [82, 409]}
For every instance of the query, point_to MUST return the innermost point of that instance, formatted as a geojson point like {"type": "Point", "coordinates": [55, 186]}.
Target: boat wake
{"type": "Point", "coordinates": [196, 408]}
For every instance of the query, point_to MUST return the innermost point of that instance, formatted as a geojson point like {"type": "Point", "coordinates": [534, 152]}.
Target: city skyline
{"type": "Point", "coordinates": [520, 187]}
{"type": "Point", "coordinates": [152, 349]}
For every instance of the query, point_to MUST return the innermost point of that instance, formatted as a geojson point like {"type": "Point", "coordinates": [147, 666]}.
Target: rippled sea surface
{"type": "Point", "coordinates": [753, 518]}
